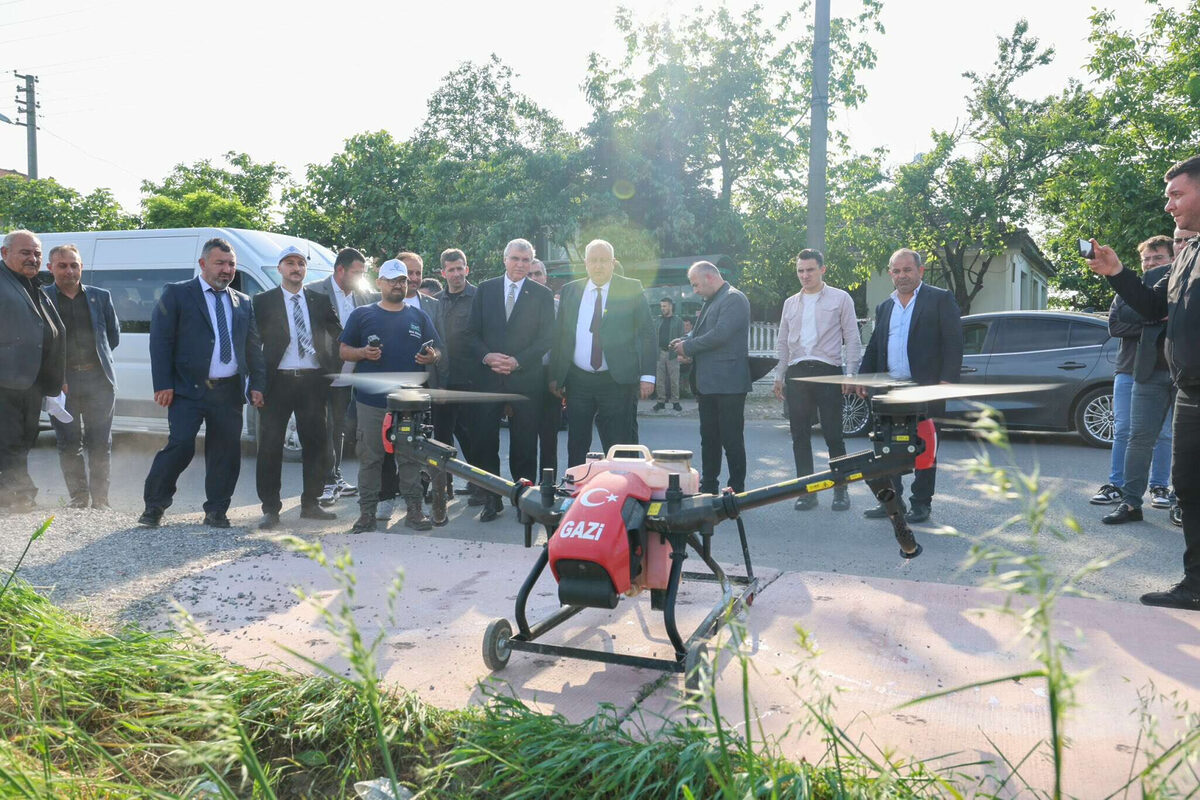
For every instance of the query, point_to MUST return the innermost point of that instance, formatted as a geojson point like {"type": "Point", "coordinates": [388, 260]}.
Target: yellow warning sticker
{"type": "Point", "coordinates": [902, 438]}
{"type": "Point", "coordinates": [858, 476]}
{"type": "Point", "coordinates": [433, 462]}
{"type": "Point", "coordinates": [819, 485]}
{"type": "Point", "coordinates": [406, 428]}
{"type": "Point", "coordinates": [655, 508]}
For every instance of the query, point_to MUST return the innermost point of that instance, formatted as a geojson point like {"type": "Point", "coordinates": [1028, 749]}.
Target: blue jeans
{"type": "Point", "coordinates": [1149, 411]}
{"type": "Point", "coordinates": [1160, 463]}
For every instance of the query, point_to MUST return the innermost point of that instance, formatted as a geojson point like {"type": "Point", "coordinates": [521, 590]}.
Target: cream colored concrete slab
{"type": "Point", "coordinates": [451, 590]}
{"type": "Point", "coordinates": [885, 642]}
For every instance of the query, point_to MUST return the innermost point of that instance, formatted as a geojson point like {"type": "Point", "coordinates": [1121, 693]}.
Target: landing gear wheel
{"type": "Point", "coordinates": [696, 667]}
{"type": "Point", "coordinates": [495, 644]}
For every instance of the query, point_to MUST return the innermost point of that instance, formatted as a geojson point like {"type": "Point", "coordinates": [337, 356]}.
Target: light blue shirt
{"type": "Point", "coordinates": [898, 327]}
{"type": "Point", "coordinates": [215, 368]}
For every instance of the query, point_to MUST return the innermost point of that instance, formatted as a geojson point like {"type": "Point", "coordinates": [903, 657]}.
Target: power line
{"type": "Point", "coordinates": [90, 155]}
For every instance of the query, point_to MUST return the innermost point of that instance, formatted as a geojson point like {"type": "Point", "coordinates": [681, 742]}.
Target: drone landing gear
{"type": "Point", "coordinates": [499, 641]}
{"type": "Point", "coordinates": [886, 495]}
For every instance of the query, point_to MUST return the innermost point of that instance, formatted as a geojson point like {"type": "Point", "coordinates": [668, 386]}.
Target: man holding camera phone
{"type": "Point", "coordinates": [1177, 297]}
{"type": "Point", "coordinates": [388, 336]}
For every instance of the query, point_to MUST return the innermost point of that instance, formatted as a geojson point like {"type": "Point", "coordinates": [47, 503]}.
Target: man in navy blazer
{"type": "Point", "coordinates": [510, 331]}
{"type": "Point", "coordinates": [92, 334]}
{"type": "Point", "coordinates": [917, 337]}
{"type": "Point", "coordinates": [206, 361]}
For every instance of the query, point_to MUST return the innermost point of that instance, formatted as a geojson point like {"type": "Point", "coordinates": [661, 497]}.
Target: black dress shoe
{"type": "Point", "coordinates": [151, 518]}
{"type": "Point", "coordinates": [880, 512]}
{"type": "Point", "coordinates": [364, 524]}
{"type": "Point", "coordinates": [841, 499]}
{"type": "Point", "coordinates": [917, 514]}
{"type": "Point", "coordinates": [659, 406]}
{"type": "Point", "coordinates": [270, 521]}
{"type": "Point", "coordinates": [1178, 596]}
{"type": "Point", "coordinates": [493, 509]}
{"type": "Point", "coordinates": [316, 512]}
{"type": "Point", "coordinates": [477, 499]}
{"type": "Point", "coordinates": [1124, 513]}
{"type": "Point", "coordinates": [216, 519]}
{"type": "Point", "coordinates": [805, 502]}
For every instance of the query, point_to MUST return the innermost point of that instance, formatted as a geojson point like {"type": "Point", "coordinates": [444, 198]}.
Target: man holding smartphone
{"type": "Point", "coordinates": [388, 336]}
{"type": "Point", "coordinates": [1175, 297]}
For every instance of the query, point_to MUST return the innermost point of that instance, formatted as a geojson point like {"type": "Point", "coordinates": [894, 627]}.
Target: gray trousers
{"type": "Point", "coordinates": [667, 386]}
{"type": "Point", "coordinates": [370, 462]}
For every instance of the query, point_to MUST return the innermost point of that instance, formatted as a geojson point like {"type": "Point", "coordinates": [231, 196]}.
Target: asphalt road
{"type": "Point", "coordinates": [1146, 555]}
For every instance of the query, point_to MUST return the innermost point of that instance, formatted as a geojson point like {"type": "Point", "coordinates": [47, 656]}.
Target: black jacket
{"type": "Point", "coordinates": [935, 343]}
{"type": "Point", "coordinates": [270, 314]}
{"type": "Point", "coordinates": [1175, 296]}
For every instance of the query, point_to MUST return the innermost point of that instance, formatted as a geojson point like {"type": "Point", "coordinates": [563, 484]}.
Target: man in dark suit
{"type": "Point", "coordinates": [917, 337]}
{"type": "Point", "coordinates": [719, 347]}
{"type": "Point", "coordinates": [206, 361]}
{"type": "Point", "coordinates": [299, 331]}
{"type": "Point", "coordinates": [31, 365]}
{"type": "Point", "coordinates": [346, 290]}
{"type": "Point", "coordinates": [552, 405]}
{"type": "Point", "coordinates": [92, 333]}
{"type": "Point", "coordinates": [604, 354]}
{"type": "Point", "coordinates": [510, 330]}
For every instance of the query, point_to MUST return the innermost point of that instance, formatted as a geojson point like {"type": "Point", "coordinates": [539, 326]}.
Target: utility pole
{"type": "Point", "coordinates": [819, 129]}
{"type": "Point", "coordinates": [30, 123]}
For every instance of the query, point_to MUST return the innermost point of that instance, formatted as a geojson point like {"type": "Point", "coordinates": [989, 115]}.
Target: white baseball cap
{"type": "Point", "coordinates": [291, 250]}
{"type": "Point", "coordinates": [393, 268]}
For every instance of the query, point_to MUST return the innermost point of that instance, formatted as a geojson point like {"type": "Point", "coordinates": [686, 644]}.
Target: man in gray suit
{"type": "Point", "coordinates": [347, 289]}
{"type": "Point", "coordinates": [719, 349]}
{"type": "Point", "coordinates": [92, 332]}
{"type": "Point", "coordinates": [32, 365]}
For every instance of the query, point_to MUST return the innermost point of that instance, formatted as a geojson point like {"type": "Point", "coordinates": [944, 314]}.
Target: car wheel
{"type": "Point", "coordinates": [856, 415]}
{"type": "Point", "coordinates": [291, 442]}
{"type": "Point", "coordinates": [1094, 417]}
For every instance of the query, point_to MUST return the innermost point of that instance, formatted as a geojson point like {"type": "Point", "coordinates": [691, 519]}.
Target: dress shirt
{"type": "Point", "coordinates": [583, 330]}
{"type": "Point", "coordinates": [291, 356]}
{"type": "Point", "coordinates": [507, 288]}
{"type": "Point", "coordinates": [343, 303]}
{"type": "Point", "coordinates": [835, 326]}
{"type": "Point", "coordinates": [215, 368]}
{"type": "Point", "coordinates": [81, 337]}
{"type": "Point", "coordinates": [898, 326]}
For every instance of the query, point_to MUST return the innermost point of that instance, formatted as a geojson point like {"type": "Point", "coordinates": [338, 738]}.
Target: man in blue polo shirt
{"type": "Point", "coordinates": [401, 330]}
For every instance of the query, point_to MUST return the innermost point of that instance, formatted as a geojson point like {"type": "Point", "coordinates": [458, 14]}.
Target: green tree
{"type": "Point", "coordinates": [358, 199]}
{"type": "Point", "coordinates": [198, 210]}
{"type": "Point", "coordinates": [252, 186]}
{"type": "Point", "coordinates": [46, 206]}
{"type": "Point", "coordinates": [1142, 114]}
{"type": "Point", "coordinates": [979, 183]}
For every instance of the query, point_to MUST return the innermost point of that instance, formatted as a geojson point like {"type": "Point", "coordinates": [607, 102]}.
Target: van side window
{"type": "Point", "coordinates": [244, 283]}
{"type": "Point", "coordinates": [135, 291]}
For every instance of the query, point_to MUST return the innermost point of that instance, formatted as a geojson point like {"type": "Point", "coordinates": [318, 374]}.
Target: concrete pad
{"type": "Point", "coordinates": [450, 591]}
{"type": "Point", "coordinates": [883, 643]}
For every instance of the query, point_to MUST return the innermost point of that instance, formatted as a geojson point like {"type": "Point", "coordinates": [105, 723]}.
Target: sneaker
{"type": "Point", "coordinates": [1123, 513]}
{"type": "Point", "coordinates": [1178, 596]}
{"type": "Point", "coordinates": [659, 406]}
{"type": "Point", "coordinates": [1177, 515]}
{"type": "Point", "coordinates": [330, 495]}
{"type": "Point", "coordinates": [1107, 496]}
{"type": "Point", "coordinates": [1160, 497]}
{"type": "Point", "coordinates": [677, 407]}
{"type": "Point", "coordinates": [383, 511]}
{"type": "Point", "coordinates": [151, 518]}
{"type": "Point", "coordinates": [345, 489]}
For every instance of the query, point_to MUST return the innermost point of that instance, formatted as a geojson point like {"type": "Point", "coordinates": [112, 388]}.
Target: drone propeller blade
{"type": "Point", "coordinates": [382, 382]}
{"type": "Point", "coordinates": [455, 396]}
{"type": "Point", "coordinates": [953, 391]}
{"type": "Point", "coordinates": [872, 380]}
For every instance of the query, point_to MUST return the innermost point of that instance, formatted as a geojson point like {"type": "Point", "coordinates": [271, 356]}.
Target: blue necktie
{"type": "Point", "coordinates": [223, 327]}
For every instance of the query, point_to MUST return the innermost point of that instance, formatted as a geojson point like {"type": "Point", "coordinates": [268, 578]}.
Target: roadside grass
{"type": "Point", "coordinates": [90, 714]}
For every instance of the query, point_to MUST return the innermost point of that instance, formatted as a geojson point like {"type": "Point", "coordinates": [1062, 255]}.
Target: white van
{"type": "Point", "coordinates": [135, 265]}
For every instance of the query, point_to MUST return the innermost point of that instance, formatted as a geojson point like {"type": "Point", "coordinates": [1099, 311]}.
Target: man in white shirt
{"type": "Point", "coordinates": [816, 324]}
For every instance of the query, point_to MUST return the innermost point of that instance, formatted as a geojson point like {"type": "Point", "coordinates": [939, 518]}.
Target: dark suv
{"type": "Point", "coordinates": [1067, 348]}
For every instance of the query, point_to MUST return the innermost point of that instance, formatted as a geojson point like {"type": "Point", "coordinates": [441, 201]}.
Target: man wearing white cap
{"type": "Point", "coordinates": [388, 336]}
{"type": "Point", "coordinates": [299, 330]}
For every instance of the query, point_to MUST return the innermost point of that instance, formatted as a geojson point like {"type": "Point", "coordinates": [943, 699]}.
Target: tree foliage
{"type": "Point", "coordinates": [46, 206]}
{"type": "Point", "coordinates": [200, 209]}
{"type": "Point", "coordinates": [250, 187]}
{"type": "Point", "coordinates": [1142, 114]}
